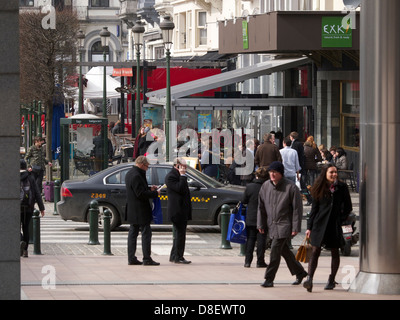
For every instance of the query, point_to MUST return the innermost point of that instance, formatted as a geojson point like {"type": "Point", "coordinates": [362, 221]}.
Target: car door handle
{"type": "Point", "coordinates": [115, 191]}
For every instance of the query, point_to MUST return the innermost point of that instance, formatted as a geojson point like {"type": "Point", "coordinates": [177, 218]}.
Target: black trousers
{"type": "Point", "coordinates": [178, 241]}
{"type": "Point", "coordinates": [253, 237]}
{"type": "Point", "coordinates": [279, 247]}
{"type": "Point", "coordinates": [26, 217]}
{"type": "Point", "coordinates": [38, 175]}
{"type": "Point", "coordinates": [134, 229]}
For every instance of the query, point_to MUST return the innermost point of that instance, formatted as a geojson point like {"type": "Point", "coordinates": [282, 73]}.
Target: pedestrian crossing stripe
{"type": "Point", "coordinates": [193, 199]}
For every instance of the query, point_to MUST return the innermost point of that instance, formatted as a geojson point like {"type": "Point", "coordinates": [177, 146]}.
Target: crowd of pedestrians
{"type": "Point", "coordinates": [273, 195]}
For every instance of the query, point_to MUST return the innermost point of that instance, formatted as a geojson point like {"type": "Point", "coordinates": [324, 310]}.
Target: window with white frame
{"type": "Point", "coordinates": [202, 28]}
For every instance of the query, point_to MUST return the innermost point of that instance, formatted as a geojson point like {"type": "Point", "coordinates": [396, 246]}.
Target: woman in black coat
{"type": "Point", "coordinates": [331, 206]}
{"type": "Point", "coordinates": [250, 197]}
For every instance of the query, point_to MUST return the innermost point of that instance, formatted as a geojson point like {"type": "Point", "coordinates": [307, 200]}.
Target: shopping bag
{"type": "Point", "coordinates": [157, 211]}
{"type": "Point", "coordinates": [237, 225]}
{"type": "Point", "coordinates": [304, 252]}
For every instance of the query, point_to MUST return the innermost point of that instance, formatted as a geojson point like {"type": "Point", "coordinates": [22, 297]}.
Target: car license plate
{"type": "Point", "coordinates": [347, 229]}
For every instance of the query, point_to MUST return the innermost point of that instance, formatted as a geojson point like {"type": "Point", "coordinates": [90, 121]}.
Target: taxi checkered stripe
{"type": "Point", "coordinates": [193, 199]}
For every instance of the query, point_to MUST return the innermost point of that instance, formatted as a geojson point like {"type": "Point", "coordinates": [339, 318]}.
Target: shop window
{"type": "Point", "coordinates": [350, 115]}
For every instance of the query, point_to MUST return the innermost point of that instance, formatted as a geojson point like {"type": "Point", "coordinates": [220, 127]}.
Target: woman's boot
{"type": "Point", "coordinates": [331, 283]}
{"type": "Point", "coordinates": [308, 284]}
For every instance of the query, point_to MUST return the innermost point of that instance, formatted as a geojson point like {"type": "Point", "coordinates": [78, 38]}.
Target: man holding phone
{"type": "Point", "coordinates": [179, 208]}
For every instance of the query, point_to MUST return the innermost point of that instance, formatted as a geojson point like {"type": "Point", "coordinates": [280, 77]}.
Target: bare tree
{"type": "Point", "coordinates": [47, 61]}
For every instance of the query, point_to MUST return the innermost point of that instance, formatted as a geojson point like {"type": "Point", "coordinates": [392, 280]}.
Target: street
{"type": "Point", "coordinates": [59, 237]}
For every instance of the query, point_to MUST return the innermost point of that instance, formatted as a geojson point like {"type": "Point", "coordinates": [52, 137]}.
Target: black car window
{"type": "Point", "coordinates": [117, 178]}
{"type": "Point", "coordinates": [149, 176]}
{"type": "Point", "coordinates": [161, 173]}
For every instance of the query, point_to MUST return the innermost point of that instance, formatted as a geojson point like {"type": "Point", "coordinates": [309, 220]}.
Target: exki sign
{"type": "Point", "coordinates": [337, 32]}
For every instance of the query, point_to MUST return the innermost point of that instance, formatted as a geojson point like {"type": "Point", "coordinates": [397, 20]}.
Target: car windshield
{"type": "Point", "coordinates": [204, 178]}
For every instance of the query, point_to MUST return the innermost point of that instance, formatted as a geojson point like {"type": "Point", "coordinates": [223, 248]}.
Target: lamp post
{"type": "Point", "coordinates": [138, 31]}
{"type": "Point", "coordinates": [167, 27]}
{"type": "Point", "coordinates": [81, 39]}
{"type": "Point", "coordinates": [105, 35]}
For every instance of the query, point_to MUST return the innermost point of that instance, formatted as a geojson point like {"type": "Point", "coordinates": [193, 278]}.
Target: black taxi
{"type": "Point", "coordinates": [108, 188]}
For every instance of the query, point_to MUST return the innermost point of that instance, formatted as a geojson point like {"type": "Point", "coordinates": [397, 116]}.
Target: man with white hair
{"type": "Point", "coordinates": [179, 208]}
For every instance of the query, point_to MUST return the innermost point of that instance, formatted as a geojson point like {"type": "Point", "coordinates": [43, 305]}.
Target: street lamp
{"type": "Point", "coordinates": [138, 31]}
{"type": "Point", "coordinates": [81, 40]}
{"type": "Point", "coordinates": [104, 36]}
{"type": "Point", "coordinates": [167, 27]}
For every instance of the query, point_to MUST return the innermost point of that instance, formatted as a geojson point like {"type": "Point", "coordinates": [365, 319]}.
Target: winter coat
{"type": "Point", "coordinates": [280, 208]}
{"type": "Point", "coordinates": [179, 201]}
{"type": "Point", "coordinates": [139, 195]}
{"type": "Point", "coordinates": [298, 146]}
{"type": "Point", "coordinates": [34, 191]}
{"type": "Point", "coordinates": [266, 154]}
{"type": "Point", "coordinates": [311, 157]}
{"type": "Point", "coordinates": [327, 216]}
{"type": "Point", "coordinates": [250, 197]}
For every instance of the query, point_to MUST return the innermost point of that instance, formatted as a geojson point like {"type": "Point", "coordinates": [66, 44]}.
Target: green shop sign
{"type": "Point", "coordinates": [337, 32]}
{"type": "Point", "coordinates": [245, 33]}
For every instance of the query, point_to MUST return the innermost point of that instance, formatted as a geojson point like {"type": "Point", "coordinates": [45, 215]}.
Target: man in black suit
{"type": "Point", "coordinates": [179, 208]}
{"type": "Point", "coordinates": [299, 147]}
{"type": "Point", "coordinates": [138, 211]}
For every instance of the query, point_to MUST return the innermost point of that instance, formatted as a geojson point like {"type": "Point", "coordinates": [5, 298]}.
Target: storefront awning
{"type": "Point", "coordinates": [158, 97]}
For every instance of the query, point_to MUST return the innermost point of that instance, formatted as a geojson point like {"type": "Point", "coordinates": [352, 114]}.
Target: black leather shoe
{"type": "Point", "coordinates": [299, 278]}
{"type": "Point", "coordinates": [247, 265]}
{"type": "Point", "coordinates": [331, 283]}
{"type": "Point", "coordinates": [135, 263]}
{"type": "Point", "coordinates": [150, 263]}
{"type": "Point", "coordinates": [267, 284]}
{"type": "Point", "coordinates": [262, 265]}
{"type": "Point", "coordinates": [308, 284]}
{"type": "Point", "coordinates": [183, 261]}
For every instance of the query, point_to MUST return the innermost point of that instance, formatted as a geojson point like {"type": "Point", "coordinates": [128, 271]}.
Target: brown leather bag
{"type": "Point", "coordinates": [304, 252]}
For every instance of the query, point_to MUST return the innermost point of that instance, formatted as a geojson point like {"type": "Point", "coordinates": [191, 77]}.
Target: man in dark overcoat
{"type": "Point", "coordinates": [179, 208]}
{"type": "Point", "coordinates": [138, 211]}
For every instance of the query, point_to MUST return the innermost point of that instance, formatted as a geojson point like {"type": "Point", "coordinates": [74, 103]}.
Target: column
{"type": "Point", "coordinates": [10, 130]}
{"type": "Point", "coordinates": [380, 150]}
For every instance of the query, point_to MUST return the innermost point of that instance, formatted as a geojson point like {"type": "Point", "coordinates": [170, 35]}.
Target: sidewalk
{"type": "Point", "coordinates": [206, 278]}
{"type": "Point", "coordinates": [214, 274]}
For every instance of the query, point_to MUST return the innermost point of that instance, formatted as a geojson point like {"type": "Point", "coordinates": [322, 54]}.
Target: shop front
{"type": "Point", "coordinates": [230, 109]}
{"type": "Point", "coordinates": [331, 40]}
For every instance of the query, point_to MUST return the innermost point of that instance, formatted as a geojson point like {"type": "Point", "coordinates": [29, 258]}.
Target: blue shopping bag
{"type": "Point", "coordinates": [157, 211]}
{"type": "Point", "coordinates": [237, 225]}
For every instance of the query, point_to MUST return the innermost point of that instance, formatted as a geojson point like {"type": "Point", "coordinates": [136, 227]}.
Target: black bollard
{"type": "Point", "coordinates": [225, 217]}
{"type": "Point", "coordinates": [107, 232]}
{"type": "Point", "coordinates": [36, 232]}
{"type": "Point", "coordinates": [94, 223]}
{"type": "Point", "coordinates": [56, 195]}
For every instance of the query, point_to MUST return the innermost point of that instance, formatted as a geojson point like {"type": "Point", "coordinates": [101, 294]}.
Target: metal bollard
{"type": "Point", "coordinates": [225, 217]}
{"type": "Point", "coordinates": [242, 252]}
{"type": "Point", "coordinates": [94, 223]}
{"type": "Point", "coordinates": [57, 196]}
{"type": "Point", "coordinates": [107, 232]}
{"type": "Point", "coordinates": [36, 232]}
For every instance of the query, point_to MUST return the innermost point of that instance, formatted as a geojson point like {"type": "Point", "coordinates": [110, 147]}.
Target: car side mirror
{"type": "Point", "coordinates": [195, 185]}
